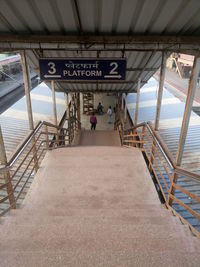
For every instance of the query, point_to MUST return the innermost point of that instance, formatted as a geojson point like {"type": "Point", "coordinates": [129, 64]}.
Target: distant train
{"type": "Point", "coordinates": [9, 65]}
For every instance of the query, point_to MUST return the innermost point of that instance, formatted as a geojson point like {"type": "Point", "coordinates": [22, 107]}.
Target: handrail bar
{"type": "Point", "coordinates": [156, 140]}
{"type": "Point", "coordinates": [192, 175]}
{"type": "Point", "coordinates": [27, 141]}
{"type": "Point", "coordinates": [24, 145]}
{"type": "Point", "coordinates": [160, 144]}
{"type": "Point", "coordinates": [135, 127]}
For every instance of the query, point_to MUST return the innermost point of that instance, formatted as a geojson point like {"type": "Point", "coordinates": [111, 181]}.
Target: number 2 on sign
{"type": "Point", "coordinates": [115, 66]}
{"type": "Point", "coordinates": [52, 67]}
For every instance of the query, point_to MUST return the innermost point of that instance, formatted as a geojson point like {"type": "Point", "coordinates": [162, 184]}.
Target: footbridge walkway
{"type": "Point", "coordinates": [94, 204]}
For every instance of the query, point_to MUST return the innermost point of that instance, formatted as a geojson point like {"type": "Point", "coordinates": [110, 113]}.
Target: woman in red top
{"type": "Point", "coordinates": [93, 121]}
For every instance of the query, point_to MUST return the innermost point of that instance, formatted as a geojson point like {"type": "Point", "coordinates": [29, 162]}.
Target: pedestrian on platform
{"type": "Point", "coordinates": [93, 121]}
{"type": "Point", "coordinates": [100, 109]}
{"type": "Point", "coordinates": [109, 112]}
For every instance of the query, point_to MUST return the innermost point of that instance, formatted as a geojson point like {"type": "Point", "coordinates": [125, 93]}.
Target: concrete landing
{"type": "Point", "coordinates": [95, 206]}
{"type": "Point", "coordinates": [99, 138]}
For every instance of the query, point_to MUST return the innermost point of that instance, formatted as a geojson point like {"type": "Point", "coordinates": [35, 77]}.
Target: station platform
{"type": "Point", "coordinates": [95, 206]}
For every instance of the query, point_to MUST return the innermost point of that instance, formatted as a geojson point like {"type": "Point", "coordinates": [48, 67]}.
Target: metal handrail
{"type": "Point", "coordinates": [161, 147]}
{"type": "Point", "coordinates": [27, 141]}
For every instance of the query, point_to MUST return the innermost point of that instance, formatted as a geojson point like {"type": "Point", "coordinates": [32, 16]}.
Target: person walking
{"type": "Point", "coordinates": [109, 112]}
{"type": "Point", "coordinates": [100, 109]}
{"type": "Point", "coordinates": [93, 121]}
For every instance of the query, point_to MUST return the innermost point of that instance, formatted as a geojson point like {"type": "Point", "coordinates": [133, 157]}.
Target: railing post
{"type": "Point", "coordinates": [6, 175]}
{"type": "Point", "coordinates": [27, 84]}
{"type": "Point", "coordinates": [47, 137]}
{"type": "Point", "coordinates": [142, 139]}
{"type": "Point", "coordinates": [151, 159]}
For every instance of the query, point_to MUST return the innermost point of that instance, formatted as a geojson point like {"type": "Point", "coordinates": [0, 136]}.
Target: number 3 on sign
{"type": "Point", "coordinates": [52, 68]}
{"type": "Point", "coordinates": [115, 66]}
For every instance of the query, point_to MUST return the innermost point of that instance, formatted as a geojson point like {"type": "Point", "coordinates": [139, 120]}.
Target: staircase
{"type": "Point", "coordinates": [99, 138]}
{"type": "Point", "coordinates": [95, 206]}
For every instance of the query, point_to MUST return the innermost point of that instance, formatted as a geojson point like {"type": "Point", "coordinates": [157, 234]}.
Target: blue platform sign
{"type": "Point", "coordinates": [82, 69]}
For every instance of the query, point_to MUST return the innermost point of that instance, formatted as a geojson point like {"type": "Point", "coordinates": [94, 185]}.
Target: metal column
{"type": "Point", "coordinates": [122, 105]}
{"type": "Point", "coordinates": [188, 108]}
{"type": "Point", "coordinates": [67, 104]}
{"type": "Point", "coordinates": [186, 118]}
{"type": "Point", "coordinates": [26, 76]}
{"type": "Point", "coordinates": [160, 90]}
{"type": "Point", "coordinates": [54, 103]}
{"type": "Point", "coordinates": [54, 108]}
{"type": "Point", "coordinates": [78, 110]}
{"type": "Point", "coordinates": [137, 102]}
{"type": "Point", "coordinates": [27, 89]}
{"type": "Point", "coordinates": [6, 173]}
{"type": "Point", "coordinates": [125, 111]}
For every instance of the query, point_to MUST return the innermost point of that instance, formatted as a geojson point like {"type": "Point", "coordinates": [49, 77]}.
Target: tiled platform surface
{"type": "Point", "coordinates": [95, 206]}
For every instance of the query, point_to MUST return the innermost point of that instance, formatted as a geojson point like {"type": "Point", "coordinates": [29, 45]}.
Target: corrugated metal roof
{"type": "Point", "coordinates": [102, 16]}
{"type": "Point", "coordinates": [93, 18]}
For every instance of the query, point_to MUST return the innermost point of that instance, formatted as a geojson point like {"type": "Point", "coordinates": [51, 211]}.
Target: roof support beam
{"type": "Point", "coordinates": [160, 90]}
{"type": "Point", "coordinates": [120, 42]}
{"type": "Point", "coordinates": [102, 39]}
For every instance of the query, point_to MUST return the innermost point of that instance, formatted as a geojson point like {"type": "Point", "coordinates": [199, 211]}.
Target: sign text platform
{"type": "Point", "coordinates": [82, 69]}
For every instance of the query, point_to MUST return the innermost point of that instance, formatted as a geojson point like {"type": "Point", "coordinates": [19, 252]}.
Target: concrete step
{"type": "Point", "coordinates": [84, 209]}
{"type": "Point", "coordinates": [82, 233]}
{"type": "Point", "coordinates": [95, 206]}
{"type": "Point", "coordinates": [127, 216]}
{"type": "Point", "coordinates": [110, 258]}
